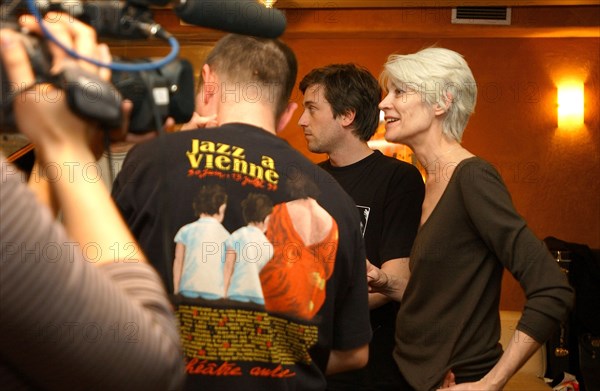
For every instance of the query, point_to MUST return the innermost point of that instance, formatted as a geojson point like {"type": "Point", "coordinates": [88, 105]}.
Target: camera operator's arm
{"type": "Point", "coordinates": [102, 320]}
{"type": "Point", "coordinates": [40, 187]}
{"type": "Point", "coordinates": [62, 139]}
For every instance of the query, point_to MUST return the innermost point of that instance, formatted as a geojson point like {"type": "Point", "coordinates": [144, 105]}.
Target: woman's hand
{"type": "Point", "coordinates": [473, 386]}
{"type": "Point", "coordinates": [391, 282]}
{"type": "Point", "coordinates": [449, 380]}
{"type": "Point", "coordinates": [377, 279]}
{"type": "Point", "coordinates": [449, 384]}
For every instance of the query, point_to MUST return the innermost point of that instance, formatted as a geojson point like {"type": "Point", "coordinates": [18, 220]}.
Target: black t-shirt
{"type": "Point", "coordinates": [388, 194]}
{"type": "Point", "coordinates": [313, 281]}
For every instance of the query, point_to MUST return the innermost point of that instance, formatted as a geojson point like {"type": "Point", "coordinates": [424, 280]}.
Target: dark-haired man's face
{"type": "Point", "coordinates": [321, 129]}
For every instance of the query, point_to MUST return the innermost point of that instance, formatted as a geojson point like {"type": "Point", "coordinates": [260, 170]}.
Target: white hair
{"type": "Point", "coordinates": [442, 77]}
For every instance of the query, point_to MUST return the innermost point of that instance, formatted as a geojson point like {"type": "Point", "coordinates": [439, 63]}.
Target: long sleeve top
{"type": "Point", "coordinates": [449, 314]}
{"type": "Point", "coordinates": [67, 324]}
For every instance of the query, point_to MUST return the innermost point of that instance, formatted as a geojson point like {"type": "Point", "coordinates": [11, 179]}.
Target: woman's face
{"type": "Point", "coordinates": [407, 114]}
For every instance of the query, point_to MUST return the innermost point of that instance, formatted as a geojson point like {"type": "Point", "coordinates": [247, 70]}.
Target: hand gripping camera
{"type": "Point", "coordinates": [156, 94]}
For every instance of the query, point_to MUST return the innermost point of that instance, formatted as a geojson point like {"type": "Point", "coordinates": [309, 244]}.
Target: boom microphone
{"type": "Point", "coordinates": [110, 19]}
{"type": "Point", "coordinates": [246, 17]}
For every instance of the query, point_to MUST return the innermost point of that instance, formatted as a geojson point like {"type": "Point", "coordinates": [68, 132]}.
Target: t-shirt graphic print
{"type": "Point", "coordinates": [260, 242]}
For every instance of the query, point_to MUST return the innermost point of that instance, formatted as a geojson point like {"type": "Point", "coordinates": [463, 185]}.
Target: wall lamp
{"type": "Point", "coordinates": [268, 3]}
{"type": "Point", "coordinates": [570, 104]}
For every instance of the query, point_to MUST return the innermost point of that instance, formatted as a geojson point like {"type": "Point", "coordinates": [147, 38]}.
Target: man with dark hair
{"type": "Point", "coordinates": [240, 343]}
{"type": "Point", "coordinates": [340, 115]}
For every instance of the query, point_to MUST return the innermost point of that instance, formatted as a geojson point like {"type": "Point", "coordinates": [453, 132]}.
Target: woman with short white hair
{"type": "Point", "coordinates": [448, 326]}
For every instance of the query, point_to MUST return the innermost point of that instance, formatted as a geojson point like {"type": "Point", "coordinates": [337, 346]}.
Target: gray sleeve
{"type": "Point", "coordinates": [548, 294]}
{"type": "Point", "coordinates": [66, 323]}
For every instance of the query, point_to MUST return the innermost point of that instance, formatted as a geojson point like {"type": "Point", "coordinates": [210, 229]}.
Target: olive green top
{"type": "Point", "coordinates": [449, 317]}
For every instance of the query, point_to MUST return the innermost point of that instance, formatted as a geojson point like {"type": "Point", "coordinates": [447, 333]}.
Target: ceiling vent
{"type": "Point", "coordinates": [481, 15]}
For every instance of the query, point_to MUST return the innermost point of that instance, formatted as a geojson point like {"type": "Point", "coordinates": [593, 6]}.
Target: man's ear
{"type": "Point", "coordinates": [347, 118]}
{"type": "Point", "coordinates": [210, 87]}
{"type": "Point", "coordinates": [285, 118]}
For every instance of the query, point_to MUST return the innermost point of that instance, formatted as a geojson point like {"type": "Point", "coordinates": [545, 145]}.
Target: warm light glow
{"type": "Point", "coordinates": [268, 3]}
{"type": "Point", "coordinates": [570, 104]}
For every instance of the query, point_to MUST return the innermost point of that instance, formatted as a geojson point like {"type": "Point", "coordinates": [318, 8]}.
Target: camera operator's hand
{"type": "Point", "coordinates": [40, 109]}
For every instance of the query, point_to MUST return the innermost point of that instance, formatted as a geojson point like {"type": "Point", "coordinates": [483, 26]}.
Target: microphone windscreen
{"type": "Point", "coordinates": [246, 17]}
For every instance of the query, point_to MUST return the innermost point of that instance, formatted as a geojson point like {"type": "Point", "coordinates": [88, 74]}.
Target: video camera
{"type": "Point", "coordinates": [167, 91]}
{"type": "Point", "coordinates": [158, 88]}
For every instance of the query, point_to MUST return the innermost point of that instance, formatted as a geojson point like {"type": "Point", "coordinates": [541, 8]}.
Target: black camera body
{"type": "Point", "coordinates": [165, 92]}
